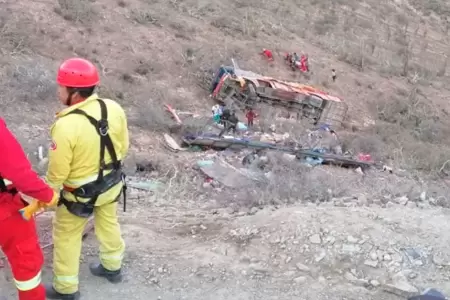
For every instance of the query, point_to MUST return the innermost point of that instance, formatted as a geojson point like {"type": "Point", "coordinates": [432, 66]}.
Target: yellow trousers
{"type": "Point", "coordinates": [67, 238]}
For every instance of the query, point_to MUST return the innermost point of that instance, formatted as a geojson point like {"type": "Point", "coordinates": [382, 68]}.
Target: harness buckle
{"type": "Point", "coordinates": [81, 191]}
{"type": "Point", "coordinates": [103, 127]}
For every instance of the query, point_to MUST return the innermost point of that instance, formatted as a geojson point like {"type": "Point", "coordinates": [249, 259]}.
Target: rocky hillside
{"type": "Point", "coordinates": [319, 232]}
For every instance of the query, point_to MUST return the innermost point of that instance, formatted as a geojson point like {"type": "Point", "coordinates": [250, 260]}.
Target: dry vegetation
{"type": "Point", "coordinates": [391, 60]}
{"type": "Point", "coordinates": [77, 11]}
{"type": "Point", "coordinates": [410, 131]}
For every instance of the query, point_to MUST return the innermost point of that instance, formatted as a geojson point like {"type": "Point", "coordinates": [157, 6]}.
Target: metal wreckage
{"type": "Point", "coordinates": [240, 90]}
{"type": "Point", "coordinates": [245, 89]}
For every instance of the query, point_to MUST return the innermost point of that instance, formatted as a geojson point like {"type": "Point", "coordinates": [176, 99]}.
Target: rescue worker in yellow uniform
{"type": "Point", "coordinates": [89, 141]}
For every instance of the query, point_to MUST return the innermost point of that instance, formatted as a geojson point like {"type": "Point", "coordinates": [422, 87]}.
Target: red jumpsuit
{"type": "Point", "coordinates": [268, 54]}
{"type": "Point", "coordinates": [304, 64]}
{"type": "Point", "coordinates": [18, 237]}
{"type": "Point", "coordinates": [250, 117]}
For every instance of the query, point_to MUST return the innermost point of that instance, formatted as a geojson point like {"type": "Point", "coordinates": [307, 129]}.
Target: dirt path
{"type": "Point", "coordinates": [308, 252]}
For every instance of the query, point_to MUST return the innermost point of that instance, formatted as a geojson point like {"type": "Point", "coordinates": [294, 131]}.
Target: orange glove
{"type": "Point", "coordinates": [35, 206]}
{"type": "Point", "coordinates": [52, 203]}
{"type": "Point", "coordinates": [28, 211]}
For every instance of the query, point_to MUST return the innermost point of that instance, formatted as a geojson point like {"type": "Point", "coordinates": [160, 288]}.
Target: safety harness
{"type": "Point", "coordinates": [103, 183]}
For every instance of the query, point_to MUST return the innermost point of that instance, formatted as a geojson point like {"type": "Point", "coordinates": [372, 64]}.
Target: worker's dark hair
{"type": "Point", "coordinates": [84, 92]}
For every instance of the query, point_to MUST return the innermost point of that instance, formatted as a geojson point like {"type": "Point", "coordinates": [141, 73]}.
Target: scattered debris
{"type": "Point", "coordinates": [400, 286]}
{"type": "Point", "coordinates": [171, 144]}
{"type": "Point", "coordinates": [147, 185]}
{"type": "Point", "coordinates": [173, 113]}
{"type": "Point", "coordinates": [274, 137]}
{"type": "Point", "coordinates": [310, 156]}
{"type": "Point", "coordinates": [401, 200]}
{"type": "Point", "coordinates": [231, 176]}
{"type": "Point", "coordinates": [315, 239]}
{"type": "Point", "coordinates": [205, 163]}
{"type": "Point", "coordinates": [374, 283]}
{"type": "Point", "coordinates": [240, 126]}
{"type": "Point", "coordinates": [388, 169]}
{"type": "Point", "coordinates": [251, 159]}
{"type": "Point", "coordinates": [415, 256]}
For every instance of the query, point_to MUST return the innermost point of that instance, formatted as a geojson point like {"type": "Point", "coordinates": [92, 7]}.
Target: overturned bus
{"type": "Point", "coordinates": [233, 86]}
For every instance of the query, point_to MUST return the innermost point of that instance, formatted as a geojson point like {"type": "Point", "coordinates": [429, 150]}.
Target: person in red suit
{"type": "Point", "coordinates": [304, 64]}
{"type": "Point", "coordinates": [267, 54]}
{"type": "Point", "coordinates": [18, 237]}
{"type": "Point", "coordinates": [250, 117]}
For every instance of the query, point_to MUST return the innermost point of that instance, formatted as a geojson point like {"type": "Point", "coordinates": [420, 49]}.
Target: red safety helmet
{"type": "Point", "coordinates": [77, 73]}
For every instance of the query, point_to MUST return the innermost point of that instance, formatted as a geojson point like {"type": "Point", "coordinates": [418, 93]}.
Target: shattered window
{"type": "Point", "coordinates": [314, 100]}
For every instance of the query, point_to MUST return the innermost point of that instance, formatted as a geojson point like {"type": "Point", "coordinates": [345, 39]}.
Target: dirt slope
{"type": "Point", "coordinates": [197, 255]}
{"type": "Point", "coordinates": [195, 240]}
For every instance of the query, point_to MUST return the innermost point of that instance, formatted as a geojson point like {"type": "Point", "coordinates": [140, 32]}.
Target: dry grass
{"type": "Point", "coordinates": [30, 80]}
{"type": "Point", "coordinates": [436, 7]}
{"type": "Point", "coordinates": [144, 17]}
{"type": "Point", "coordinates": [410, 131]}
{"type": "Point", "coordinates": [167, 51]}
{"type": "Point", "coordinates": [77, 11]}
{"type": "Point", "coordinates": [293, 182]}
{"type": "Point", "coordinates": [152, 118]}
{"type": "Point", "coordinates": [14, 40]}
{"type": "Point", "coordinates": [148, 112]}
{"type": "Point", "coordinates": [350, 30]}
{"type": "Point", "coordinates": [28, 93]}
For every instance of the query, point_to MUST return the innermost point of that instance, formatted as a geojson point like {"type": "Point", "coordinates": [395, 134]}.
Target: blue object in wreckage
{"type": "Point", "coordinates": [222, 71]}
{"type": "Point", "coordinates": [429, 294]}
{"type": "Point", "coordinates": [241, 126]}
{"type": "Point", "coordinates": [325, 127]}
{"type": "Point", "coordinates": [315, 160]}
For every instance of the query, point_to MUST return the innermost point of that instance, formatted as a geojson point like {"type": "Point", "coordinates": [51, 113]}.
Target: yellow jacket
{"type": "Point", "coordinates": [74, 156]}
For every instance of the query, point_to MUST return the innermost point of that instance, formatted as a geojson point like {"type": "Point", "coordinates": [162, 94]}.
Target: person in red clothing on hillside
{"type": "Point", "coordinates": [304, 64]}
{"type": "Point", "coordinates": [267, 54]}
{"type": "Point", "coordinates": [18, 237]}
{"type": "Point", "coordinates": [250, 117]}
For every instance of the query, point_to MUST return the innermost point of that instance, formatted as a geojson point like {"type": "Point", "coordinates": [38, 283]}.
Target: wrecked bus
{"type": "Point", "coordinates": [246, 89]}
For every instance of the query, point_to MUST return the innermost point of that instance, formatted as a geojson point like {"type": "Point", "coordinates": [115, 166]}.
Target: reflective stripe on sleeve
{"type": "Point", "coordinates": [28, 284]}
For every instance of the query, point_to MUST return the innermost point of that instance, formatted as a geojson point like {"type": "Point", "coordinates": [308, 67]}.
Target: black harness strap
{"type": "Point", "coordinates": [106, 143]}
{"type": "Point", "coordinates": [102, 128]}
